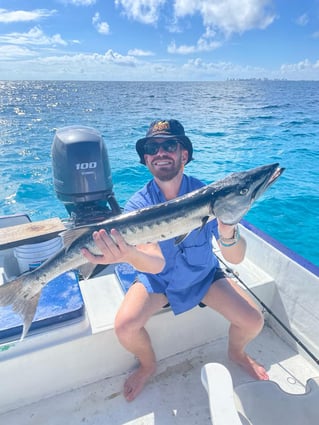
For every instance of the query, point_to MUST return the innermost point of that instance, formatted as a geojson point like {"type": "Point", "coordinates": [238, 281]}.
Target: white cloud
{"type": "Point", "coordinates": [114, 66]}
{"type": "Point", "coordinates": [9, 16]}
{"type": "Point", "coordinates": [90, 60]}
{"type": "Point", "coordinates": [201, 46]}
{"type": "Point", "coordinates": [114, 57]}
{"type": "Point", "coordinates": [33, 37]}
{"type": "Point", "coordinates": [205, 43]}
{"type": "Point", "coordinates": [220, 18]}
{"type": "Point", "coordinates": [145, 11]}
{"type": "Point", "coordinates": [101, 27]}
{"type": "Point", "coordinates": [80, 2]}
{"type": "Point", "coordinates": [182, 50]}
{"type": "Point", "coordinates": [13, 53]}
{"type": "Point", "coordinates": [222, 70]}
{"type": "Point", "coordinates": [302, 66]}
{"type": "Point", "coordinates": [302, 20]}
{"type": "Point", "coordinates": [108, 66]}
{"type": "Point", "coordinates": [139, 52]}
{"type": "Point", "coordinates": [229, 16]}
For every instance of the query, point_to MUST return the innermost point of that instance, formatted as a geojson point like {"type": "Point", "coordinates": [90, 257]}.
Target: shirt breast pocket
{"type": "Point", "coordinates": [197, 249]}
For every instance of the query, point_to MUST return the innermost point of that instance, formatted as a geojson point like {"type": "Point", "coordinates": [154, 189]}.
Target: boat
{"type": "Point", "coordinates": [70, 368]}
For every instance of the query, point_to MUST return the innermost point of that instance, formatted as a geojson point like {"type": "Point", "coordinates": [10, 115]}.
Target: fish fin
{"type": "Point", "coordinates": [26, 309]}
{"type": "Point", "coordinates": [180, 238]}
{"type": "Point", "coordinates": [87, 269]}
{"type": "Point", "coordinates": [11, 293]}
{"type": "Point", "coordinates": [70, 236]}
{"type": "Point", "coordinates": [204, 221]}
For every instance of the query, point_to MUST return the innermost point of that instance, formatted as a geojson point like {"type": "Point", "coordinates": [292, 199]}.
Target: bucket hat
{"type": "Point", "coordinates": [165, 129]}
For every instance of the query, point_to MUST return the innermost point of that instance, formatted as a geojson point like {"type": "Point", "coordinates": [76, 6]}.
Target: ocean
{"type": "Point", "coordinates": [234, 126]}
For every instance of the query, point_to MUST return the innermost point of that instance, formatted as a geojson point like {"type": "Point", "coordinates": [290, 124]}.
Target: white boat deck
{"type": "Point", "coordinates": [175, 395]}
{"type": "Point", "coordinates": [74, 374]}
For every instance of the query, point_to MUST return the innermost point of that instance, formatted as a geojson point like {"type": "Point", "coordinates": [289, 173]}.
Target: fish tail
{"type": "Point", "coordinates": [12, 293]}
{"type": "Point", "coordinates": [8, 291]}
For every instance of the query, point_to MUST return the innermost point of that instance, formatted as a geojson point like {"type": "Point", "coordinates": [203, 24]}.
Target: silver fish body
{"type": "Point", "coordinates": [228, 199]}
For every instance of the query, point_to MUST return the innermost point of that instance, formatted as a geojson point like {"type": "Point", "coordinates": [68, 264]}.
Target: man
{"type": "Point", "coordinates": [184, 274]}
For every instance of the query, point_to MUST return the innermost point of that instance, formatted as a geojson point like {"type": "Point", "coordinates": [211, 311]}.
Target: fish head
{"type": "Point", "coordinates": [237, 192]}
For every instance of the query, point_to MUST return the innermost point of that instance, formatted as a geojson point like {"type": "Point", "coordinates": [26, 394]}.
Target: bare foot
{"type": "Point", "coordinates": [254, 369]}
{"type": "Point", "coordinates": [136, 382]}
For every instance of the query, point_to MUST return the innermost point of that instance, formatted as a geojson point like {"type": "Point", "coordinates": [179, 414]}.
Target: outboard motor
{"type": "Point", "coordinates": [82, 175]}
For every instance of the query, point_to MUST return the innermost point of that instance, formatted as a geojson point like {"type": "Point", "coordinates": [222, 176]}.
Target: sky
{"type": "Point", "coordinates": [159, 40]}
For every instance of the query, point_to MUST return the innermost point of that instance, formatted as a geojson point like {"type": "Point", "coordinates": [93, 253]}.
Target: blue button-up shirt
{"type": "Point", "coordinates": [190, 265]}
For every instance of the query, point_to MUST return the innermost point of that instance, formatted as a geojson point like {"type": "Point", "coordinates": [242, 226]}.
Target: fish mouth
{"type": "Point", "coordinates": [267, 181]}
{"type": "Point", "coordinates": [275, 175]}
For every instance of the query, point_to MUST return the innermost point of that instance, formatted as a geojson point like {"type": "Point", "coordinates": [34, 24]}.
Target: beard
{"type": "Point", "coordinates": [167, 172]}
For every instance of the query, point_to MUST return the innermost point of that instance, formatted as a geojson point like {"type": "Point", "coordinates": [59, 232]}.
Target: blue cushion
{"type": "Point", "coordinates": [60, 301]}
{"type": "Point", "coordinates": [126, 275]}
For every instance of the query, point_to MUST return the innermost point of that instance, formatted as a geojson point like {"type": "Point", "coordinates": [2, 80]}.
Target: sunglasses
{"type": "Point", "coordinates": [153, 147]}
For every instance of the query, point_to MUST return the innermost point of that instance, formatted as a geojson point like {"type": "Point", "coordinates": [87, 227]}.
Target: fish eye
{"type": "Point", "coordinates": [243, 191]}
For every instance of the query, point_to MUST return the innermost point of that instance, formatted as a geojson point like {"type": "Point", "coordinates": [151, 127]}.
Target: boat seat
{"type": "Point", "coordinates": [257, 402]}
{"type": "Point", "coordinates": [61, 299]}
{"type": "Point", "coordinates": [60, 303]}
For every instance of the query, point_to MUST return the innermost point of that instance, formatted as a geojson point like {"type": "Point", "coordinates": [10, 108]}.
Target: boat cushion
{"type": "Point", "coordinates": [127, 275]}
{"type": "Point", "coordinates": [60, 301]}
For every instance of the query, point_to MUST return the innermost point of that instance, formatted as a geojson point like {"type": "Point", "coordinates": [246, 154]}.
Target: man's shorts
{"type": "Point", "coordinates": [219, 274]}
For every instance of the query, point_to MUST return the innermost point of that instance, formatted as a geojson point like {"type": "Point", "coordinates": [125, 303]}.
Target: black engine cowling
{"type": "Point", "coordinates": [82, 174]}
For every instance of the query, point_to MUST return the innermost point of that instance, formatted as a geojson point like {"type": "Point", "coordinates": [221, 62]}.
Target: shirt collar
{"type": "Point", "coordinates": [159, 193]}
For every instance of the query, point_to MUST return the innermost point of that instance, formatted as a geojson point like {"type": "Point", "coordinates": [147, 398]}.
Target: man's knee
{"type": "Point", "coordinates": [127, 324]}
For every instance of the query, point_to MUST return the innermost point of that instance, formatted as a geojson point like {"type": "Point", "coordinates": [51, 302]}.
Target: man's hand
{"type": "Point", "coordinates": [113, 248]}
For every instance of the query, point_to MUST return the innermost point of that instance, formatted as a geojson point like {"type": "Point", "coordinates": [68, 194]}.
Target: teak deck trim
{"type": "Point", "coordinates": [37, 231]}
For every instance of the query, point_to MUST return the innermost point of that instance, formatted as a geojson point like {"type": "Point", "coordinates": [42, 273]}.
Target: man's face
{"type": "Point", "coordinates": [168, 161]}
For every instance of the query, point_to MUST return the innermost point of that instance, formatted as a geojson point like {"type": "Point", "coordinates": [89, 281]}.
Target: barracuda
{"type": "Point", "coordinates": [228, 199]}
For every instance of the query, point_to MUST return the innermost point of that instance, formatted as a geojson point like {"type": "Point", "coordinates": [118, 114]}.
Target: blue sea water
{"type": "Point", "coordinates": [234, 125]}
